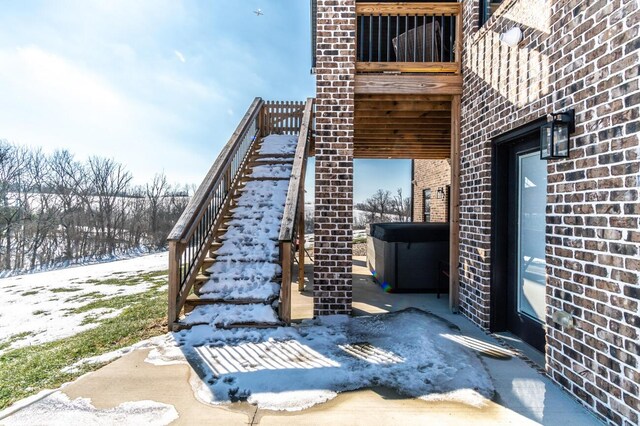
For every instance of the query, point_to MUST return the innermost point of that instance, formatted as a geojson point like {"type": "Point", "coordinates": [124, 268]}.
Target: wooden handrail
{"type": "Point", "coordinates": [297, 175]}
{"type": "Point", "coordinates": [407, 8]}
{"type": "Point", "coordinates": [191, 237]}
{"type": "Point", "coordinates": [294, 215]}
{"type": "Point", "coordinates": [185, 226]}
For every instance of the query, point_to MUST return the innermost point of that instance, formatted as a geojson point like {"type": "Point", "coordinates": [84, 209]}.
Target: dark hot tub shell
{"type": "Point", "coordinates": [408, 257]}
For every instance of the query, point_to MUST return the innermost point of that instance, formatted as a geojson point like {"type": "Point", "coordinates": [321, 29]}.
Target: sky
{"type": "Point", "coordinates": [158, 85]}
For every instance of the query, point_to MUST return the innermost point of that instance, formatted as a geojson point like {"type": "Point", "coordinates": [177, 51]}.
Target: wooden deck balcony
{"type": "Point", "coordinates": [409, 37]}
{"type": "Point", "coordinates": [408, 79]}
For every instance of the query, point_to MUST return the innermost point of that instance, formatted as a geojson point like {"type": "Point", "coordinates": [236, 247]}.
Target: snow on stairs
{"type": "Point", "coordinates": [239, 284]}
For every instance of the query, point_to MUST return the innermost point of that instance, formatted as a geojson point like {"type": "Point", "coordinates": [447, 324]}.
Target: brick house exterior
{"type": "Point", "coordinates": [576, 54]}
{"type": "Point", "coordinates": [436, 176]}
{"type": "Point", "coordinates": [582, 55]}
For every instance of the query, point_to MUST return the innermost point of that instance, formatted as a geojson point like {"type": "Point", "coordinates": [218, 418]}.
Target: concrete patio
{"type": "Point", "coordinates": [523, 394]}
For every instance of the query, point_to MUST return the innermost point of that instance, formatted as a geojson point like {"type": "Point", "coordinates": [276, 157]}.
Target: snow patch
{"type": "Point", "coordinates": [219, 314]}
{"type": "Point", "coordinates": [59, 409]}
{"type": "Point", "coordinates": [40, 306]}
{"type": "Point", "coordinates": [279, 144]}
{"type": "Point", "coordinates": [294, 368]}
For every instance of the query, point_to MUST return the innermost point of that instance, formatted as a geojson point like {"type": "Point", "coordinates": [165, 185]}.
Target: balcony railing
{"type": "Point", "coordinates": [409, 37]}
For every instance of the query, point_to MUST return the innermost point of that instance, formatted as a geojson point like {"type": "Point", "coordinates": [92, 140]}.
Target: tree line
{"type": "Point", "coordinates": [383, 206]}
{"type": "Point", "coordinates": [55, 209]}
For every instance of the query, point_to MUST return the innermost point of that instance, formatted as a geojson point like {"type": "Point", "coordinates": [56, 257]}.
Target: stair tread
{"type": "Point", "coordinates": [212, 298]}
{"type": "Point", "coordinates": [227, 314]}
{"type": "Point", "coordinates": [246, 288]}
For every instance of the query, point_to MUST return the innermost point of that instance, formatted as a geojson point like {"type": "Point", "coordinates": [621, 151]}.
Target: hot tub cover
{"type": "Point", "coordinates": [410, 232]}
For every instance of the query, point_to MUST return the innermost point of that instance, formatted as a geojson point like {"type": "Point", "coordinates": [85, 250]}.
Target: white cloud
{"type": "Point", "coordinates": [52, 102]}
{"type": "Point", "coordinates": [180, 56]}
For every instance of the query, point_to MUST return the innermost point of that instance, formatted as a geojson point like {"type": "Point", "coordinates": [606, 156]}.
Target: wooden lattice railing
{"type": "Point", "coordinates": [292, 225]}
{"type": "Point", "coordinates": [195, 231]}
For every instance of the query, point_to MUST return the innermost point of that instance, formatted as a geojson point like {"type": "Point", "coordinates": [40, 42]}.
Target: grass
{"type": "Point", "coordinates": [28, 370]}
{"type": "Point", "coordinates": [64, 290]}
{"type": "Point", "coordinates": [360, 240]}
{"type": "Point", "coordinates": [29, 293]}
{"type": "Point", "coordinates": [14, 338]}
{"type": "Point", "coordinates": [135, 279]}
{"type": "Point", "coordinates": [86, 296]}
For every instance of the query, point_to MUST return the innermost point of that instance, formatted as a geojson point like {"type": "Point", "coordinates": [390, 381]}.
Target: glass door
{"type": "Point", "coordinates": [525, 236]}
{"type": "Point", "coordinates": [531, 206]}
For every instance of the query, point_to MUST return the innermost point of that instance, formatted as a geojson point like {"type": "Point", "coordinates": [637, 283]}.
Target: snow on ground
{"type": "Point", "coordinates": [294, 368]}
{"type": "Point", "coordinates": [58, 409]}
{"type": "Point", "coordinates": [37, 308]}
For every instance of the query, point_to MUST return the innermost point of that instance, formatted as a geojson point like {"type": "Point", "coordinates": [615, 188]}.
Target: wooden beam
{"type": "Point", "coordinates": [401, 132]}
{"type": "Point", "coordinates": [407, 84]}
{"type": "Point", "coordinates": [434, 67]}
{"type": "Point", "coordinates": [363, 97]}
{"type": "Point", "coordinates": [403, 116]}
{"type": "Point", "coordinates": [391, 106]}
{"type": "Point", "coordinates": [405, 8]}
{"type": "Point", "coordinates": [454, 199]}
{"type": "Point", "coordinates": [410, 127]}
{"type": "Point", "coordinates": [397, 141]}
{"type": "Point", "coordinates": [401, 155]}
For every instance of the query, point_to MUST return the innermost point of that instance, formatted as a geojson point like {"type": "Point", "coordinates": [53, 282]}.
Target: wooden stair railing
{"type": "Point", "coordinates": [292, 225]}
{"type": "Point", "coordinates": [191, 237]}
{"type": "Point", "coordinates": [196, 230]}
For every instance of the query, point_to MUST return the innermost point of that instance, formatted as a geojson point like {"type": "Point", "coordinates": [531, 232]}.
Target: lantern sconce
{"type": "Point", "coordinates": [440, 193]}
{"type": "Point", "coordinates": [554, 135]}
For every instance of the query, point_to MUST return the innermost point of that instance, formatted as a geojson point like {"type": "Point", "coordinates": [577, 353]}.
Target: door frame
{"type": "Point", "coordinates": [499, 215]}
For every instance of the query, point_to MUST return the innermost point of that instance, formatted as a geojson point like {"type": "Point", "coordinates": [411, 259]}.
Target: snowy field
{"type": "Point", "coordinates": [43, 307]}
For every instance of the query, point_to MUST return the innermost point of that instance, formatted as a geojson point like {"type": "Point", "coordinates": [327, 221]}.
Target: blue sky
{"type": "Point", "coordinates": [155, 84]}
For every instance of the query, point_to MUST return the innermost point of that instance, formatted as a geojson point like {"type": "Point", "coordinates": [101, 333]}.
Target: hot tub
{"type": "Point", "coordinates": [409, 257]}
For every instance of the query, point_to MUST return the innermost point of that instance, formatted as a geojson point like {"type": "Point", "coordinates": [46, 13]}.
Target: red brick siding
{"type": "Point", "coordinates": [335, 70]}
{"type": "Point", "coordinates": [581, 55]}
{"type": "Point", "coordinates": [432, 174]}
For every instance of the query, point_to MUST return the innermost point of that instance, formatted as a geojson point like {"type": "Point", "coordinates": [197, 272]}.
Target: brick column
{"type": "Point", "coordinates": [335, 71]}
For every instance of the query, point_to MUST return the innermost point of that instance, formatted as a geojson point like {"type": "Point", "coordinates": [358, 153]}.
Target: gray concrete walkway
{"type": "Point", "coordinates": [524, 395]}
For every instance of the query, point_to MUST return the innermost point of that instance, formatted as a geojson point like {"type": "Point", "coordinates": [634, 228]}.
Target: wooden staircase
{"type": "Point", "coordinates": [230, 254]}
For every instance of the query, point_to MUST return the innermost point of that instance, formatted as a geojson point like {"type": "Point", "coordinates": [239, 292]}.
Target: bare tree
{"type": "Point", "coordinates": [401, 206]}
{"type": "Point", "coordinates": [13, 161]}
{"type": "Point", "coordinates": [156, 193]}
{"type": "Point", "coordinates": [54, 208]}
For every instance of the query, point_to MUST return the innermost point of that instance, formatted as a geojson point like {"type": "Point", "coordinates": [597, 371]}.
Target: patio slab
{"type": "Point", "coordinates": [524, 395]}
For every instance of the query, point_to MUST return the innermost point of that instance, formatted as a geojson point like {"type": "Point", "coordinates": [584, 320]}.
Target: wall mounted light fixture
{"type": "Point", "coordinates": [512, 37]}
{"type": "Point", "coordinates": [554, 135]}
{"type": "Point", "coordinates": [440, 193]}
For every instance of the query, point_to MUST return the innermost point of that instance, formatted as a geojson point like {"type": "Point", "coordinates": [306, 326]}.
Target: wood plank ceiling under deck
{"type": "Point", "coordinates": [402, 126]}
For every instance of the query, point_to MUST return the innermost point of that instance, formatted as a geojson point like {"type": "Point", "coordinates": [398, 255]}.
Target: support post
{"type": "Point", "coordinates": [174, 284]}
{"type": "Point", "coordinates": [454, 238]}
{"type": "Point", "coordinates": [285, 289]}
{"type": "Point", "coordinates": [301, 239]}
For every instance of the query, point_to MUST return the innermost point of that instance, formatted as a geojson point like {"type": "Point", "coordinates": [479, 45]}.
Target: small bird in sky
{"type": "Point", "coordinates": [258, 12]}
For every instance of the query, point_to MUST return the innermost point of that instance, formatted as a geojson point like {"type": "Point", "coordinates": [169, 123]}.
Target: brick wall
{"type": "Point", "coordinates": [432, 174]}
{"type": "Point", "coordinates": [335, 70]}
{"type": "Point", "coordinates": [582, 55]}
